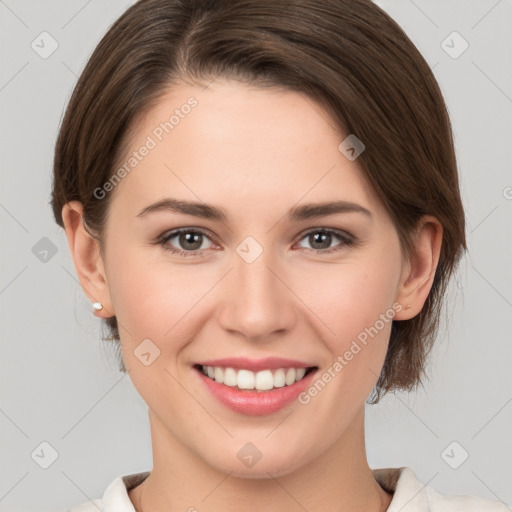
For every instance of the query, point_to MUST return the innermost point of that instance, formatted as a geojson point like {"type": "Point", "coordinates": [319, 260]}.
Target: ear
{"type": "Point", "coordinates": [87, 258]}
{"type": "Point", "coordinates": [419, 271]}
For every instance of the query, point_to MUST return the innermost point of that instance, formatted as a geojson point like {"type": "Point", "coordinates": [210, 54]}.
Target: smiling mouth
{"type": "Point", "coordinates": [247, 380]}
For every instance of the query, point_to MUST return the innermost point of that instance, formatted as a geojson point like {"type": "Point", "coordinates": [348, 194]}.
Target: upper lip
{"type": "Point", "coordinates": [267, 363]}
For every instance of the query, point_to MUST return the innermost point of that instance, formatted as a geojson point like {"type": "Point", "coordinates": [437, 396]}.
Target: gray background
{"type": "Point", "coordinates": [60, 382]}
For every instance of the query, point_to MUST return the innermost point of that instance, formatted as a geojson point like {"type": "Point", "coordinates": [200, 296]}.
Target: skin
{"type": "Point", "coordinates": [256, 153]}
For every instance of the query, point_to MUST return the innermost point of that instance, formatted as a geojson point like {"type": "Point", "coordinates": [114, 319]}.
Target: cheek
{"type": "Point", "coordinates": [356, 313]}
{"type": "Point", "coordinates": [154, 300]}
{"type": "Point", "coordinates": [354, 302]}
{"type": "Point", "coordinates": [352, 297]}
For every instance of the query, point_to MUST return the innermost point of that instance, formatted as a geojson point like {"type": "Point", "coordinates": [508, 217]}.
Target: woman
{"type": "Point", "coordinates": [209, 152]}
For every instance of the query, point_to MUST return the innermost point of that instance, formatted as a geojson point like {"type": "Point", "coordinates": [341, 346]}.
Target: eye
{"type": "Point", "coordinates": [191, 241]}
{"type": "Point", "coordinates": [321, 239]}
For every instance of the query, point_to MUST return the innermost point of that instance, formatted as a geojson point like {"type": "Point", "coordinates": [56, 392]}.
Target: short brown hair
{"type": "Point", "coordinates": [348, 55]}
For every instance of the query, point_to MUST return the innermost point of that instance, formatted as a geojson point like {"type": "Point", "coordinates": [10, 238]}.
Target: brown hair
{"type": "Point", "coordinates": [347, 55]}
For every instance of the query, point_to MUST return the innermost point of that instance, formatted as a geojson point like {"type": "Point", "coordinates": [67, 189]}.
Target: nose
{"type": "Point", "coordinates": [258, 302]}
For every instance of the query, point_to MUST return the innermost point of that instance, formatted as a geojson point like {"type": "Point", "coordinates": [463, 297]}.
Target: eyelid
{"type": "Point", "coordinates": [344, 235]}
{"type": "Point", "coordinates": [167, 235]}
{"type": "Point", "coordinates": [346, 240]}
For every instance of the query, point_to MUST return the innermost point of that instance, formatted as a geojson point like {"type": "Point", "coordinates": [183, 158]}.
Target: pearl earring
{"type": "Point", "coordinates": [98, 306]}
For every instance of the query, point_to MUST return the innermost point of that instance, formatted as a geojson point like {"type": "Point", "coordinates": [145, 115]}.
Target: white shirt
{"type": "Point", "coordinates": [409, 495]}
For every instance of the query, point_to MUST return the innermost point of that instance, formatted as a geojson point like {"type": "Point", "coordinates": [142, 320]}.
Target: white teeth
{"type": "Point", "coordinates": [261, 381]}
{"type": "Point", "coordinates": [230, 378]}
{"type": "Point", "coordinates": [279, 378]}
{"type": "Point", "coordinates": [300, 373]}
{"type": "Point", "coordinates": [219, 374]}
{"type": "Point", "coordinates": [245, 379]}
{"type": "Point", "coordinates": [290, 376]}
{"type": "Point", "coordinates": [264, 380]}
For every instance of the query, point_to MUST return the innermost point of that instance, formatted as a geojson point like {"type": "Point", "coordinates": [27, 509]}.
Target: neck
{"type": "Point", "coordinates": [338, 480]}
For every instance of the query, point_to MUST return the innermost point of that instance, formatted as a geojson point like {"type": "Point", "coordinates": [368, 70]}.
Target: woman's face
{"type": "Point", "coordinates": [264, 281]}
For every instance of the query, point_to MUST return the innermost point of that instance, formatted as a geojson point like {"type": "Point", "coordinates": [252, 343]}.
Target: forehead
{"type": "Point", "coordinates": [239, 143]}
{"type": "Point", "coordinates": [240, 116]}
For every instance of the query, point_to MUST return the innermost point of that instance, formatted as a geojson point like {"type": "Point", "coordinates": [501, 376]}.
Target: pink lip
{"type": "Point", "coordinates": [255, 365]}
{"type": "Point", "coordinates": [255, 403]}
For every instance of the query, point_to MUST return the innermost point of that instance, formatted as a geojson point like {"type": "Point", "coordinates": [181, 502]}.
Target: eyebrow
{"type": "Point", "coordinates": [205, 211]}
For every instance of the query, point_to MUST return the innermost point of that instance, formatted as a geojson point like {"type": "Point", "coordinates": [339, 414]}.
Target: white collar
{"type": "Point", "coordinates": [409, 495]}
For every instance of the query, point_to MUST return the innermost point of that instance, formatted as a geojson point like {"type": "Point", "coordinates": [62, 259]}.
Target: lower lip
{"type": "Point", "coordinates": [255, 403]}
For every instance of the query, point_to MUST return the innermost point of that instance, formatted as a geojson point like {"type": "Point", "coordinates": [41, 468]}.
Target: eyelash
{"type": "Point", "coordinates": [348, 240]}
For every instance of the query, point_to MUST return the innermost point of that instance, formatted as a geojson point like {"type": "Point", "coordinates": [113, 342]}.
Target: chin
{"type": "Point", "coordinates": [266, 467]}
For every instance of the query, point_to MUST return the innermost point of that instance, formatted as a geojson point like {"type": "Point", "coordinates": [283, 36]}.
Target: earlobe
{"type": "Point", "coordinates": [418, 273]}
{"type": "Point", "coordinates": [87, 259]}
